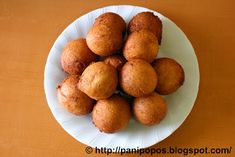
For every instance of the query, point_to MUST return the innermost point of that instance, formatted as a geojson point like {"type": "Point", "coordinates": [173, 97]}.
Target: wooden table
{"type": "Point", "coordinates": [27, 32]}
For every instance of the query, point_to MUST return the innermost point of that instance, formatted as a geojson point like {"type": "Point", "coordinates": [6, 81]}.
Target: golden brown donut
{"type": "Point", "coordinates": [112, 114]}
{"type": "Point", "coordinates": [150, 109]}
{"type": "Point", "coordinates": [146, 20]}
{"type": "Point", "coordinates": [137, 78]}
{"type": "Point", "coordinates": [72, 98]}
{"type": "Point", "coordinates": [141, 45]}
{"type": "Point", "coordinates": [99, 80]}
{"type": "Point", "coordinates": [76, 56]}
{"type": "Point", "coordinates": [170, 75]}
{"type": "Point", "coordinates": [117, 61]}
{"type": "Point", "coordinates": [103, 40]}
{"type": "Point", "coordinates": [111, 20]}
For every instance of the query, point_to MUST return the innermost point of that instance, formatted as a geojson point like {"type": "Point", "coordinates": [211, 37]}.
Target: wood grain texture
{"type": "Point", "coordinates": [29, 28]}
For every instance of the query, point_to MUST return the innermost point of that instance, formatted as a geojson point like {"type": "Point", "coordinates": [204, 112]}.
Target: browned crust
{"type": "Point", "coordinates": [76, 56]}
{"type": "Point", "coordinates": [170, 75]}
{"type": "Point", "coordinates": [138, 78]}
{"type": "Point", "coordinates": [99, 80]}
{"type": "Point", "coordinates": [72, 98]}
{"type": "Point", "coordinates": [112, 114]}
{"type": "Point", "coordinates": [146, 20]}
{"type": "Point", "coordinates": [111, 20]}
{"type": "Point", "coordinates": [117, 61]}
{"type": "Point", "coordinates": [150, 110]}
{"type": "Point", "coordinates": [103, 40]}
{"type": "Point", "coordinates": [141, 44]}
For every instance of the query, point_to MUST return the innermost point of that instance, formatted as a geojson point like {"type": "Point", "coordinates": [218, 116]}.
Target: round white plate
{"type": "Point", "coordinates": [174, 45]}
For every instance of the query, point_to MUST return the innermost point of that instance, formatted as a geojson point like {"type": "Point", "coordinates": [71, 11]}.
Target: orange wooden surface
{"type": "Point", "coordinates": [27, 32]}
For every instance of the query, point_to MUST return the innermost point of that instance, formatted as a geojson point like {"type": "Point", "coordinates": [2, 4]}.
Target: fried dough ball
{"type": "Point", "coordinates": [170, 75]}
{"type": "Point", "coordinates": [112, 114]}
{"type": "Point", "coordinates": [111, 20]}
{"type": "Point", "coordinates": [117, 61]}
{"type": "Point", "coordinates": [141, 45]}
{"type": "Point", "coordinates": [150, 109]}
{"type": "Point", "coordinates": [146, 20]}
{"type": "Point", "coordinates": [72, 98]}
{"type": "Point", "coordinates": [104, 40]}
{"type": "Point", "coordinates": [138, 78]}
{"type": "Point", "coordinates": [76, 56]}
{"type": "Point", "coordinates": [99, 80]}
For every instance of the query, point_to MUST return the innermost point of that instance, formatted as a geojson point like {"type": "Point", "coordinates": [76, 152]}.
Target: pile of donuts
{"type": "Point", "coordinates": [114, 74]}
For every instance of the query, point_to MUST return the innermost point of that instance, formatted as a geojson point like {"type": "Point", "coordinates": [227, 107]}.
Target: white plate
{"type": "Point", "coordinates": [174, 45]}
